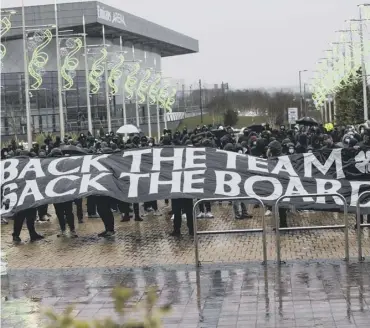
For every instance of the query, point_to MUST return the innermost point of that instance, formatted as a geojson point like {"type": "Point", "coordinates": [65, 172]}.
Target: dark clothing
{"type": "Point", "coordinates": [30, 217]}
{"type": "Point", "coordinates": [283, 217]}
{"type": "Point", "coordinates": [207, 207]}
{"type": "Point", "coordinates": [80, 213]}
{"type": "Point", "coordinates": [179, 206]}
{"type": "Point", "coordinates": [64, 212]}
{"type": "Point", "coordinates": [153, 204]}
{"type": "Point", "coordinates": [91, 205]}
{"type": "Point", "coordinates": [42, 211]}
{"type": "Point", "coordinates": [124, 207]}
{"type": "Point", "coordinates": [104, 209]}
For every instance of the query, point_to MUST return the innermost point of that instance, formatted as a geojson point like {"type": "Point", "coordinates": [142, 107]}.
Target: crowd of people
{"type": "Point", "coordinates": [257, 140]}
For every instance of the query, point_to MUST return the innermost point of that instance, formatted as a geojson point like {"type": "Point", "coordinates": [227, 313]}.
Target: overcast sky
{"type": "Point", "coordinates": [248, 43]}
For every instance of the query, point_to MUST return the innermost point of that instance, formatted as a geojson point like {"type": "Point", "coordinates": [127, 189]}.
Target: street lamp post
{"type": "Point", "coordinates": [300, 90]}
{"type": "Point", "coordinates": [363, 66]}
{"type": "Point", "coordinates": [26, 81]}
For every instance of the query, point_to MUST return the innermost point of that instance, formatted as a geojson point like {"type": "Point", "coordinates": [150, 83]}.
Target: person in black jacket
{"type": "Point", "coordinates": [29, 215]}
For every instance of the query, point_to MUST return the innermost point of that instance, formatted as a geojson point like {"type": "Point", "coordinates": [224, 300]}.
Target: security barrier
{"type": "Point", "coordinates": [342, 226]}
{"type": "Point", "coordinates": [360, 225]}
{"type": "Point", "coordinates": [218, 232]}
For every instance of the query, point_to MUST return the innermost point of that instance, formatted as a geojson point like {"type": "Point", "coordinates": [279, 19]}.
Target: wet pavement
{"type": "Point", "coordinates": [231, 289]}
{"type": "Point", "coordinates": [147, 243]}
{"type": "Point", "coordinates": [316, 294]}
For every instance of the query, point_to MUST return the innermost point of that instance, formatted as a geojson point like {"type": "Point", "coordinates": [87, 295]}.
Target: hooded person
{"type": "Point", "coordinates": [64, 211]}
{"type": "Point", "coordinates": [245, 147]}
{"type": "Point", "coordinates": [316, 139]}
{"type": "Point", "coordinates": [328, 142]}
{"type": "Point", "coordinates": [284, 145]}
{"type": "Point", "coordinates": [259, 149]}
{"type": "Point", "coordinates": [244, 136]}
{"type": "Point", "coordinates": [29, 215]}
{"type": "Point", "coordinates": [302, 143]}
{"type": "Point", "coordinates": [365, 143]}
{"type": "Point", "coordinates": [274, 149]}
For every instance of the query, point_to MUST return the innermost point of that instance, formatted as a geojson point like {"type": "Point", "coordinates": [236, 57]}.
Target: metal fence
{"type": "Point", "coordinates": [278, 229]}
{"type": "Point", "coordinates": [360, 225]}
{"type": "Point", "coordinates": [218, 232]}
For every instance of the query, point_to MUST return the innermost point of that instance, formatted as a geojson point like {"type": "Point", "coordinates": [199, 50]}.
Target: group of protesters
{"type": "Point", "coordinates": [257, 140]}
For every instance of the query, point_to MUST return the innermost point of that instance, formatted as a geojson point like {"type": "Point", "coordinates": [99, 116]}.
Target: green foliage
{"type": "Point", "coordinates": [120, 296]}
{"type": "Point", "coordinates": [40, 138]}
{"type": "Point", "coordinates": [350, 100]}
{"type": "Point", "coordinates": [230, 117]}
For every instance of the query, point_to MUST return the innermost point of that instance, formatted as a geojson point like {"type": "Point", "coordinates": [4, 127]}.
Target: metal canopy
{"type": "Point", "coordinates": [134, 29]}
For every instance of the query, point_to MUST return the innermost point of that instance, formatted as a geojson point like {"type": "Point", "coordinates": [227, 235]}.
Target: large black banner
{"type": "Point", "coordinates": [187, 172]}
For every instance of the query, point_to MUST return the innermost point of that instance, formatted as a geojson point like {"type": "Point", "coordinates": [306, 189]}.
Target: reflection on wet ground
{"type": "Point", "coordinates": [316, 294]}
{"type": "Point", "coordinates": [148, 243]}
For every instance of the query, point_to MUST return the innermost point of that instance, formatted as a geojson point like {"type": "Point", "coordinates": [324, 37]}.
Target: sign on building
{"type": "Point", "coordinates": [292, 115]}
{"type": "Point", "coordinates": [112, 17]}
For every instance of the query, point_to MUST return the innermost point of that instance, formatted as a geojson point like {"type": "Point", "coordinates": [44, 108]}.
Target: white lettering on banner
{"type": "Point", "coordinates": [49, 189]}
{"type": "Point", "coordinates": [175, 182]}
{"type": "Point", "coordinates": [254, 161]}
{"type": "Point", "coordinates": [355, 188]}
{"type": "Point", "coordinates": [11, 170]}
{"type": "Point", "coordinates": [90, 160]}
{"type": "Point", "coordinates": [284, 165]}
{"type": "Point", "coordinates": [108, 16]}
{"type": "Point", "coordinates": [31, 189]}
{"type": "Point", "coordinates": [52, 167]}
{"type": "Point", "coordinates": [231, 158]}
{"type": "Point", "coordinates": [87, 182]}
{"type": "Point", "coordinates": [33, 165]}
{"type": "Point", "coordinates": [189, 181]}
{"type": "Point", "coordinates": [335, 157]}
{"type": "Point", "coordinates": [276, 193]}
{"type": "Point", "coordinates": [295, 187]}
{"type": "Point", "coordinates": [191, 157]}
{"type": "Point", "coordinates": [176, 158]}
{"type": "Point", "coordinates": [321, 189]}
{"type": "Point", "coordinates": [136, 158]}
{"type": "Point", "coordinates": [134, 182]}
{"type": "Point", "coordinates": [12, 196]}
{"type": "Point", "coordinates": [232, 183]}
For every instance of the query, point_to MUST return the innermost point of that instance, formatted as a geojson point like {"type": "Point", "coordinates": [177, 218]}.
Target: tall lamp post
{"type": "Point", "coordinates": [329, 97]}
{"type": "Point", "coordinates": [363, 66]}
{"type": "Point", "coordinates": [300, 89]}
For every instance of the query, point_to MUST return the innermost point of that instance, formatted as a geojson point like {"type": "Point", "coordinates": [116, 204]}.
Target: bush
{"type": "Point", "coordinates": [121, 296]}
{"type": "Point", "coordinates": [230, 117]}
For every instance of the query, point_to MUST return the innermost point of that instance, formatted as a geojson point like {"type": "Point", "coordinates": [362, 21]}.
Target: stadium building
{"type": "Point", "coordinates": [142, 41]}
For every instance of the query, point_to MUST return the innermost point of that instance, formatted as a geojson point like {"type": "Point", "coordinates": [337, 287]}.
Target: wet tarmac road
{"type": "Point", "coordinates": [315, 294]}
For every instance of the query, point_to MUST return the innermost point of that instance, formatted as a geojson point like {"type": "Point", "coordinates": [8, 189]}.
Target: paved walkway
{"type": "Point", "coordinates": [138, 244]}
{"type": "Point", "coordinates": [232, 289]}
{"type": "Point", "coordinates": [301, 294]}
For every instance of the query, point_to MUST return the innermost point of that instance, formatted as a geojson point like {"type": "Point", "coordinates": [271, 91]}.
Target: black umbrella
{"type": "Point", "coordinates": [72, 150]}
{"type": "Point", "coordinates": [307, 121]}
{"type": "Point", "coordinates": [256, 128]}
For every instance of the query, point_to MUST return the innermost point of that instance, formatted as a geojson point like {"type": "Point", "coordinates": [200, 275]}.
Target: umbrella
{"type": "Point", "coordinates": [128, 128]}
{"type": "Point", "coordinates": [307, 121]}
{"type": "Point", "coordinates": [72, 150]}
{"type": "Point", "coordinates": [256, 128]}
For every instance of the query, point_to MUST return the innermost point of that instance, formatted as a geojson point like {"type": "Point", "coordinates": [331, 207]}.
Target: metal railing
{"type": "Point", "coordinates": [341, 226]}
{"type": "Point", "coordinates": [360, 225]}
{"type": "Point", "coordinates": [218, 232]}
